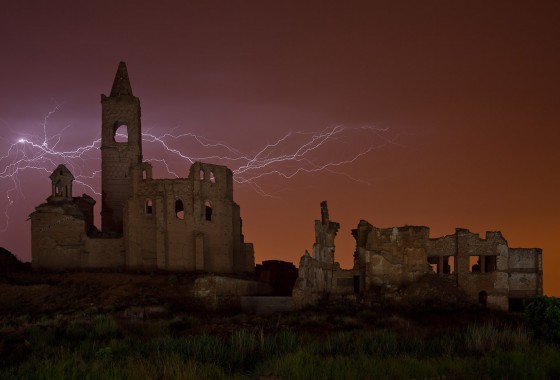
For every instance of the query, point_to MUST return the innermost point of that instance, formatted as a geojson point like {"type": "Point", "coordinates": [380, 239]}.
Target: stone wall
{"type": "Point", "coordinates": [120, 109]}
{"type": "Point", "coordinates": [319, 276]}
{"type": "Point", "coordinates": [525, 272]}
{"type": "Point", "coordinates": [220, 292]}
{"type": "Point", "coordinates": [392, 262]}
{"type": "Point", "coordinates": [60, 241]}
{"type": "Point", "coordinates": [389, 256]}
{"type": "Point", "coordinates": [183, 225]}
{"type": "Point", "coordinates": [186, 224]}
{"type": "Point", "coordinates": [58, 232]}
{"type": "Point", "coordinates": [104, 253]}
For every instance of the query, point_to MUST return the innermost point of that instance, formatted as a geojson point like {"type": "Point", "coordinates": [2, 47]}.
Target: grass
{"type": "Point", "coordinates": [103, 347]}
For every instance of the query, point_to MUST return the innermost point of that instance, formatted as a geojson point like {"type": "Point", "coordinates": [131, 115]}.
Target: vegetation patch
{"type": "Point", "coordinates": [310, 344]}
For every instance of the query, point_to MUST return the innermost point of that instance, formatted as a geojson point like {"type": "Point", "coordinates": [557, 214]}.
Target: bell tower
{"type": "Point", "coordinates": [61, 184]}
{"type": "Point", "coordinates": [121, 147]}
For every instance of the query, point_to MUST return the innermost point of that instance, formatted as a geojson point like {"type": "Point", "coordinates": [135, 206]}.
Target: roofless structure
{"type": "Point", "coordinates": [183, 224]}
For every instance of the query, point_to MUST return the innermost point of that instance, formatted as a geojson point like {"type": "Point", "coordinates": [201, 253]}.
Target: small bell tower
{"type": "Point", "coordinates": [61, 180]}
{"type": "Point", "coordinates": [121, 147]}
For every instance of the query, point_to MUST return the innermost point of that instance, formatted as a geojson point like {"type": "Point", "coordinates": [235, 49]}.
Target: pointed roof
{"type": "Point", "coordinates": [121, 84]}
{"type": "Point", "coordinates": [61, 171]}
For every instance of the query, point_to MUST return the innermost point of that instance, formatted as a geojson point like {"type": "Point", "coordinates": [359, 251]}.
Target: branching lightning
{"type": "Point", "coordinates": [328, 150]}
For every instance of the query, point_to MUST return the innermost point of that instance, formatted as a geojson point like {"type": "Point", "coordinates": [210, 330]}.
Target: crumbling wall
{"type": "Point", "coordinates": [186, 224]}
{"type": "Point", "coordinates": [525, 273]}
{"type": "Point", "coordinates": [222, 293]}
{"type": "Point", "coordinates": [319, 276]}
{"type": "Point", "coordinates": [325, 233]}
{"type": "Point", "coordinates": [400, 262]}
{"type": "Point", "coordinates": [59, 240]}
{"type": "Point", "coordinates": [389, 257]}
{"type": "Point", "coordinates": [482, 267]}
{"type": "Point", "coordinates": [58, 230]}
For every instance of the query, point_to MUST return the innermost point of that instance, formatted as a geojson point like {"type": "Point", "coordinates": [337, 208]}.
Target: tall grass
{"type": "Point", "coordinates": [102, 349]}
{"type": "Point", "coordinates": [488, 338]}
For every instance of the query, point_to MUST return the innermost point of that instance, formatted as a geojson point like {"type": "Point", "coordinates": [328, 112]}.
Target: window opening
{"type": "Point", "coordinates": [202, 175]}
{"type": "Point", "coordinates": [212, 177]}
{"type": "Point", "coordinates": [149, 206]}
{"type": "Point", "coordinates": [58, 189]}
{"type": "Point", "coordinates": [121, 134]}
{"type": "Point", "coordinates": [208, 210]}
{"type": "Point", "coordinates": [449, 264]}
{"type": "Point", "coordinates": [179, 209]}
{"type": "Point", "coordinates": [434, 263]}
{"type": "Point", "coordinates": [489, 264]}
{"type": "Point", "coordinates": [144, 175]}
{"type": "Point", "coordinates": [474, 264]}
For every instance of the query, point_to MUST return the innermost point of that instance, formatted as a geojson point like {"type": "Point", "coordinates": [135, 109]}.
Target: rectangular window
{"type": "Point", "coordinates": [449, 264]}
{"type": "Point", "coordinates": [490, 264]}
{"type": "Point", "coordinates": [474, 264]}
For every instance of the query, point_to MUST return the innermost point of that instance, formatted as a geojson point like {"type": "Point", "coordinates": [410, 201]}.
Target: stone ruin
{"type": "Point", "coordinates": [390, 262]}
{"type": "Point", "coordinates": [183, 225]}
{"type": "Point", "coordinates": [193, 225]}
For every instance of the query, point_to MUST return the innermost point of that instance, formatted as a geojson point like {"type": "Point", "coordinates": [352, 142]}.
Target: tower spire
{"type": "Point", "coordinates": [120, 109]}
{"type": "Point", "coordinates": [121, 84]}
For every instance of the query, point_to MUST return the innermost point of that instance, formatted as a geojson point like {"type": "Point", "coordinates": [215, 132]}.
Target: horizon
{"type": "Point", "coordinates": [442, 116]}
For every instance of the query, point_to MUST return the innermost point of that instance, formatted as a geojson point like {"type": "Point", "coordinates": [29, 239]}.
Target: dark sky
{"type": "Point", "coordinates": [467, 91]}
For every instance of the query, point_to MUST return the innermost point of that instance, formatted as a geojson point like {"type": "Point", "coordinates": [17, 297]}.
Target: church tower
{"type": "Point", "coordinates": [121, 147]}
{"type": "Point", "coordinates": [61, 184]}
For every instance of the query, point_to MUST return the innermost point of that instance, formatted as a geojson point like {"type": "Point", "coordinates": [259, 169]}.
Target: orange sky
{"type": "Point", "coordinates": [468, 88]}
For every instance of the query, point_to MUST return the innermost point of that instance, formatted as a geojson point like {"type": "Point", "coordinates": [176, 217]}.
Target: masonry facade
{"type": "Point", "coordinates": [184, 224]}
{"type": "Point", "coordinates": [386, 260]}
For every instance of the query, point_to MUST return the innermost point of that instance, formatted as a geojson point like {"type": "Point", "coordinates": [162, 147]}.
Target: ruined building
{"type": "Point", "coordinates": [183, 224]}
{"type": "Point", "coordinates": [387, 260]}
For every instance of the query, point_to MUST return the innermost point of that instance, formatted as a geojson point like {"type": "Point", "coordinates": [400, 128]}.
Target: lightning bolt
{"type": "Point", "coordinates": [291, 154]}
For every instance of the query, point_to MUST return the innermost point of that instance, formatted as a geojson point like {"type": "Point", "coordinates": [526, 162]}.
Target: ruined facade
{"type": "Point", "coordinates": [183, 224]}
{"type": "Point", "coordinates": [319, 274]}
{"type": "Point", "coordinates": [485, 269]}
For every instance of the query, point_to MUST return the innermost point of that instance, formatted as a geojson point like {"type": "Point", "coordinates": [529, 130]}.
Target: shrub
{"type": "Point", "coordinates": [543, 314]}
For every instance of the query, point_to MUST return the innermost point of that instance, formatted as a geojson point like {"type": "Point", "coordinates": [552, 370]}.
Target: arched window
{"type": "Point", "coordinates": [201, 175]}
{"type": "Point", "coordinates": [144, 174]}
{"type": "Point", "coordinates": [121, 133]}
{"type": "Point", "coordinates": [58, 189]}
{"type": "Point", "coordinates": [212, 177]}
{"type": "Point", "coordinates": [179, 209]}
{"type": "Point", "coordinates": [208, 209]}
{"type": "Point", "coordinates": [149, 207]}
